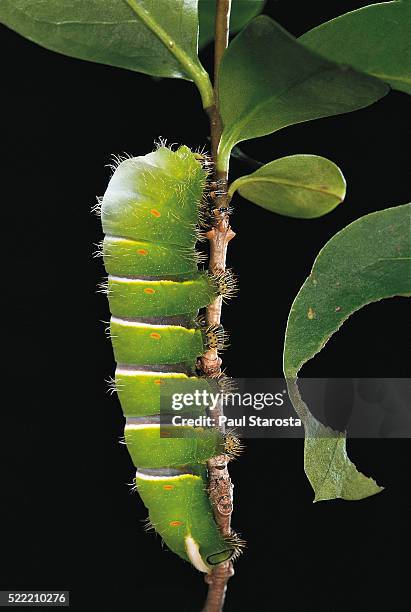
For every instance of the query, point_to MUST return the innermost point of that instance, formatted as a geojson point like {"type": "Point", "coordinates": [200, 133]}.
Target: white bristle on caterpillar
{"type": "Point", "coordinates": [117, 159]}
{"type": "Point", "coordinates": [147, 524]}
{"type": "Point", "coordinates": [96, 208]}
{"type": "Point", "coordinates": [111, 385]}
{"type": "Point", "coordinates": [103, 287]}
{"type": "Point", "coordinates": [199, 257]}
{"type": "Point", "coordinates": [205, 160]}
{"type": "Point", "coordinates": [161, 142]}
{"type": "Point", "coordinates": [133, 486]}
{"type": "Point", "coordinates": [204, 217]}
{"type": "Point", "coordinates": [98, 250]}
{"type": "Point", "coordinates": [107, 330]}
{"type": "Point", "coordinates": [200, 234]}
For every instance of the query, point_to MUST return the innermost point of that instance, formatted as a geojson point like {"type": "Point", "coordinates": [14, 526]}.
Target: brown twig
{"type": "Point", "coordinates": [220, 487]}
{"type": "Point", "coordinates": [221, 233]}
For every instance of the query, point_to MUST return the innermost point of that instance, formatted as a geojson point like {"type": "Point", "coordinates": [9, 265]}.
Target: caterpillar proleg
{"type": "Point", "coordinates": [150, 215]}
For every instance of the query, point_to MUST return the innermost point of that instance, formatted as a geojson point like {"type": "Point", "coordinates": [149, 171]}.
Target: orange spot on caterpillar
{"type": "Point", "coordinates": [142, 252]}
{"type": "Point", "coordinates": [168, 487]}
{"type": "Point", "coordinates": [158, 382]}
{"type": "Point", "coordinates": [155, 336]}
{"type": "Point", "coordinates": [150, 291]}
{"type": "Point", "coordinates": [155, 213]}
{"type": "Point", "coordinates": [175, 523]}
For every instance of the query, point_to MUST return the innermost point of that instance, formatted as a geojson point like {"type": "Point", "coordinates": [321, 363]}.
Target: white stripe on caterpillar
{"type": "Point", "coordinates": [142, 426]}
{"type": "Point", "coordinates": [144, 476]}
{"type": "Point", "coordinates": [193, 552]}
{"type": "Point", "coordinates": [135, 372]}
{"type": "Point", "coordinates": [130, 323]}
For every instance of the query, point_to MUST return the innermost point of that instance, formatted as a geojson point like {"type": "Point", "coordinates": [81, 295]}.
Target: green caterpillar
{"type": "Point", "coordinates": [150, 215]}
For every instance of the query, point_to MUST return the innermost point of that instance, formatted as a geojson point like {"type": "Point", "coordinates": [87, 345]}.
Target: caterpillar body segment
{"type": "Point", "coordinates": [138, 297]}
{"type": "Point", "coordinates": [135, 342]}
{"type": "Point", "coordinates": [180, 510]}
{"type": "Point", "coordinates": [150, 450]}
{"type": "Point", "coordinates": [141, 258]}
{"type": "Point", "coordinates": [139, 391]}
{"type": "Point", "coordinates": [150, 213]}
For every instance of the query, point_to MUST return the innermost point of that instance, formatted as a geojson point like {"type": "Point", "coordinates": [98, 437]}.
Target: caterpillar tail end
{"type": "Point", "coordinates": [180, 512]}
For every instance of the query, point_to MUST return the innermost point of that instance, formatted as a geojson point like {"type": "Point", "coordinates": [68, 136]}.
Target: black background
{"type": "Point", "coordinates": [68, 519]}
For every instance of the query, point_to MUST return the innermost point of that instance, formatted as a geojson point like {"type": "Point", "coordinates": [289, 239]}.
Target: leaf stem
{"type": "Point", "coordinates": [193, 69]}
{"type": "Point", "coordinates": [220, 487]}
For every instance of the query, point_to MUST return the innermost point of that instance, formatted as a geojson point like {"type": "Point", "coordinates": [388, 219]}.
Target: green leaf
{"type": "Point", "coordinates": [374, 39]}
{"type": "Point", "coordinates": [367, 261]}
{"type": "Point", "coordinates": [331, 473]}
{"type": "Point", "coordinates": [269, 81]}
{"type": "Point", "coordinates": [157, 37]}
{"type": "Point", "coordinates": [303, 186]}
{"type": "Point", "coordinates": [242, 11]}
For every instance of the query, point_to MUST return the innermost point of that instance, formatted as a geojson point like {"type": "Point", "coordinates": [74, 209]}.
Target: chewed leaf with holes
{"type": "Point", "coordinates": [367, 261]}
{"type": "Point", "coordinates": [268, 81]}
{"type": "Point", "coordinates": [304, 186]}
{"type": "Point", "coordinates": [150, 215]}
{"type": "Point", "coordinates": [374, 39]}
{"type": "Point", "coordinates": [126, 34]}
